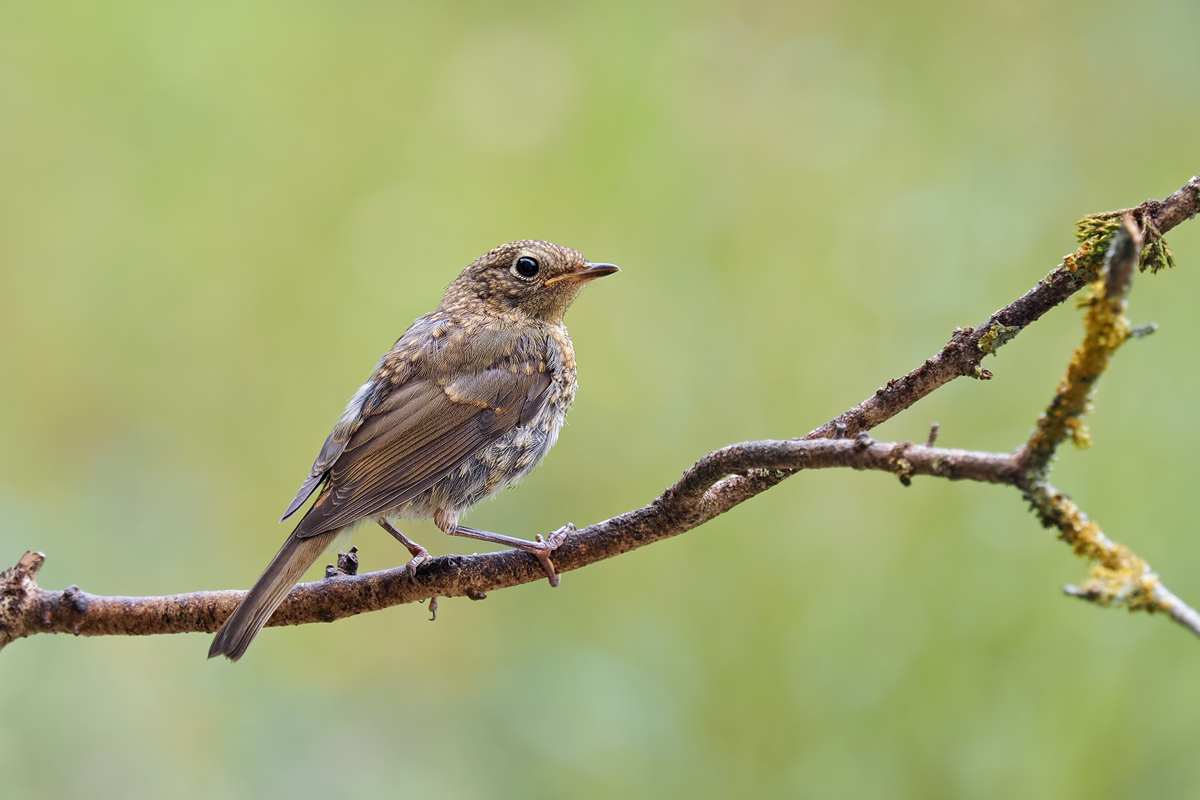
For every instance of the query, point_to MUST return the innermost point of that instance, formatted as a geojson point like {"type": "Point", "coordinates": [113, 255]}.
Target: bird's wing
{"type": "Point", "coordinates": [335, 445]}
{"type": "Point", "coordinates": [418, 434]}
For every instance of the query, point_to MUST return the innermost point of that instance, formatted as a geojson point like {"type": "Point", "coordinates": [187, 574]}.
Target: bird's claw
{"type": "Point", "coordinates": [547, 546]}
{"type": "Point", "coordinates": [417, 560]}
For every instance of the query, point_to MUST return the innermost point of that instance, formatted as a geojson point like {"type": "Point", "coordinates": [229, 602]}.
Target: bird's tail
{"type": "Point", "coordinates": [291, 562]}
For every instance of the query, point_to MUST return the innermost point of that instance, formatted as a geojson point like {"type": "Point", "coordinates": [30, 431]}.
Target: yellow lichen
{"type": "Point", "coordinates": [1079, 433]}
{"type": "Point", "coordinates": [1119, 577]}
{"type": "Point", "coordinates": [1106, 330]}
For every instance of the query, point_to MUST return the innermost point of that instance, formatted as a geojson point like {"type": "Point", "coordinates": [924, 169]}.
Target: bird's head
{"type": "Point", "coordinates": [530, 277]}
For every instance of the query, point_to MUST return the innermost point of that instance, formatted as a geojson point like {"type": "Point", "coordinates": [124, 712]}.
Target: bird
{"type": "Point", "coordinates": [466, 403]}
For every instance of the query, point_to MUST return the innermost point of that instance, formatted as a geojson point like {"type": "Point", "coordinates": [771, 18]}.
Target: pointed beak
{"type": "Point", "coordinates": [588, 272]}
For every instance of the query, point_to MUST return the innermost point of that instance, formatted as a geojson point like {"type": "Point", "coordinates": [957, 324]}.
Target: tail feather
{"type": "Point", "coordinates": [289, 564]}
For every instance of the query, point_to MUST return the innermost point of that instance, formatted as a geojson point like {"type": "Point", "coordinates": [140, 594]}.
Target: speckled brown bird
{"type": "Point", "coordinates": [468, 402]}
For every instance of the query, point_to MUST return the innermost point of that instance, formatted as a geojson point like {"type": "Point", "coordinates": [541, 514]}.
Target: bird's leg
{"type": "Point", "coordinates": [542, 548]}
{"type": "Point", "coordinates": [419, 554]}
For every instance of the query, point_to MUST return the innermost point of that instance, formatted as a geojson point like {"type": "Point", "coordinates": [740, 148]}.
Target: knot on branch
{"type": "Point", "coordinates": [964, 351]}
{"type": "Point", "coordinates": [901, 467]}
{"type": "Point", "coordinates": [18, 591]}
{"type": "Point", "coordinates": [347, 564]}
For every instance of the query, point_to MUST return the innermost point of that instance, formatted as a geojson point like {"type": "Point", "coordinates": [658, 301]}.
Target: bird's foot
{"type": "Point", "coordinates": [417, 560]}
{"type": "Point", "coordinates": [542, 548]}
{"type": "Point", "coordinates": [419, 554]}
{"type": "Point", "coordinates": [548, 546]}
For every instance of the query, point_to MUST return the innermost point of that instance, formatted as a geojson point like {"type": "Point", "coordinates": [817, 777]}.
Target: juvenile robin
{"type": "Point", "coordinates": [468, 402]}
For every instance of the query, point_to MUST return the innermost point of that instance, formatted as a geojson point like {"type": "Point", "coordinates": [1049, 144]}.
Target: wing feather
{"type": "Point", "coordinates": [335, 443]}
{"type": "Point", "coordinates": [416, 436]}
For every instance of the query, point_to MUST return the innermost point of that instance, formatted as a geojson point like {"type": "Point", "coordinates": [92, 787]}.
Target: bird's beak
{"type": "Point", "coordinates": [588, 272]}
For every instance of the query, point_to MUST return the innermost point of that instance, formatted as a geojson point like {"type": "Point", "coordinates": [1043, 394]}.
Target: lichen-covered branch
{"type": "Point", "coordinates": [963, 354]}
{"type": "Point", "coordinates": [1107, 329]}
{"type": "Point", "coordinates": [727, 477]}
{"type": "Point", "coordinates": [1119, 577]}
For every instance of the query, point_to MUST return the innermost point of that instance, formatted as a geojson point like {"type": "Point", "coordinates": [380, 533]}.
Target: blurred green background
{"type": "Point", "coordinates": [214, 218]}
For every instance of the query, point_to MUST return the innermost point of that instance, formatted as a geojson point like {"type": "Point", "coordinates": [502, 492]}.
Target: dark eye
{"type": "Point", "coordinates": [526, 267]}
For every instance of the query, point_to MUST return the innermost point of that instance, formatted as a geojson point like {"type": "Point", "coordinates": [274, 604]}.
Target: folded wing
{"type": "Point", "coordinates": [420, 433]}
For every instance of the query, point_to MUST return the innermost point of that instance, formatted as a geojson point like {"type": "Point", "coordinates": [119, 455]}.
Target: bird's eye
{"type": "Point", "coordinates": [526, 267]}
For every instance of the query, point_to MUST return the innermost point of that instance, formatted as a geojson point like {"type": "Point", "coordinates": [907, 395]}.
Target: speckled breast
{"type": "Point", "coordinates": [514, 455]}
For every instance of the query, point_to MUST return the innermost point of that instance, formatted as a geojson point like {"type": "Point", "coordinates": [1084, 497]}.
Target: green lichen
{"type": "Point", "coordinates": [996, 337]}
{"type": "Point", "coordinates": [1156, 255]}
{"type": "Point", "coordinates": [1095, 234]}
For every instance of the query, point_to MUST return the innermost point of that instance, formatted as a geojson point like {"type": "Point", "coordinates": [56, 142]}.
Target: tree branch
{"type": "Point", "coordinates": [714, 485]}
{"type": "Point", "coordinates": [687, 504]}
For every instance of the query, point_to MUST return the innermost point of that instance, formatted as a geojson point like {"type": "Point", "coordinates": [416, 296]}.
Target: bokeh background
{"type": "Point", "coordinates": [214, 218]}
